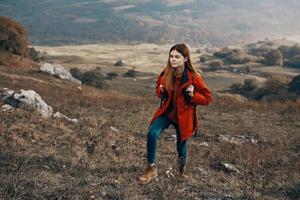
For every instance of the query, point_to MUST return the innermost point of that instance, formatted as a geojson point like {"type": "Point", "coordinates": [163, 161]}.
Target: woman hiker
{"type": "Point", "coordinates": [180, 88]}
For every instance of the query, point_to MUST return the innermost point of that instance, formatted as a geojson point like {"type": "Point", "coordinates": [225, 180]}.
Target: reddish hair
{"type": "Point", "coordinates": [169, 73]}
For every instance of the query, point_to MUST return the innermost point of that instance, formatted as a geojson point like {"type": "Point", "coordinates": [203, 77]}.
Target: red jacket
{"type": "Point", "coordinates": [186, 111]}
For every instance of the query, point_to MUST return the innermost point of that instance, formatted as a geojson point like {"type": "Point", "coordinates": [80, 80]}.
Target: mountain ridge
{"type": "Point", "coordinates": [217, 23]}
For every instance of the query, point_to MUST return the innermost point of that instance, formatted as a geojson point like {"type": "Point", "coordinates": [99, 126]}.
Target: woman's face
{"type": "Point", "coordinates": [177, 59]}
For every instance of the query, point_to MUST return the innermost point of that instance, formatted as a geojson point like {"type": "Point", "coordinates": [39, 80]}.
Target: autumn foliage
{"type": "Point", "coordinates": [13, 37]}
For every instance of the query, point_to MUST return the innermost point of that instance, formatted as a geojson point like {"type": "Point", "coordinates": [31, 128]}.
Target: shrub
{"type": "Point", "coordinates": [284, 49]}
{"type": "Point", "coordinates": [215, 64]}
{"type": "Point", "coordinates": [269, 43]}
{"type": "Point", "coordinates": [205, 58]}
{"type": "Point", "coordinates": [239, 58]}
{"type": "Point", "coordinates": [13, 37]}
{"type": "Point", "coordinates": [94, 78]}
{"type": "Point", "coordinates": [282, 95]}
{"type": "Point", "coordinates": [249, 85]}
{"type": "Point", "coordinates": [290, 52]}
{"type": "Point", "coordinates": [274, 57]}
{"type": "Point", "coordinates": [293, 62]}
{"type": "Point", "coordinates": [294, 50]}
{"type": "Point", "coordinates": [272, 86]}
{"type": "Point", "coordinates": [111, 75]}
{"type": "Point", "coordinates": [236, 87]}
{"type": "Point", "coordinates": [291, 55]}
{"type": "Point", "coordinates": [275, 83]}
{"type": "Point", "coordinates": [131, 73]}
{"type": "Point", "coordinates": [224, 52]}
{"type": "Point", "coordinates": [294, 85]}
{"type": "Point", "coordinates": [33, 54]}
{"type": "Point", "coordinates": [260, 51]}
{"type": "Point", "coordinates": [76, 73]}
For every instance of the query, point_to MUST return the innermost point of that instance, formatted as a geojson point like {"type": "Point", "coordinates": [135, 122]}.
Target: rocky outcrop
{"type": "Point", "coordinates": [29, 98]}
{"type": "Point", "coordinates": [26, 98]}
{"type": "Point", "coordinates": [58, 71]}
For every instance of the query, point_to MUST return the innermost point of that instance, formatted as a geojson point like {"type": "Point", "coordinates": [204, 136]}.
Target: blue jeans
{"type": "Point", "coordinates": [158, 126]}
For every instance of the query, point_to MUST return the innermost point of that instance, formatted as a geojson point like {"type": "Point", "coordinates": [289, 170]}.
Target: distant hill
{"type": "Point", "coordinates": [218, 22]}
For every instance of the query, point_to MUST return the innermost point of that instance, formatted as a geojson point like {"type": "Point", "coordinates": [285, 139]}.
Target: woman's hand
{"type": "Point", "coordinates": [190, 90]}
{"type": "Point", "coordinates": [161, 87]}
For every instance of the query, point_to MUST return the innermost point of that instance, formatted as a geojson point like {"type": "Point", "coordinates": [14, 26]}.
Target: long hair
{"type": "Point", "coordinates": [169, 72]}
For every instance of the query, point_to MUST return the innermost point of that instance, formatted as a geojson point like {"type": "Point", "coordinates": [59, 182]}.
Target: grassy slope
{"type": "Point", "coordinates": [53, 159]}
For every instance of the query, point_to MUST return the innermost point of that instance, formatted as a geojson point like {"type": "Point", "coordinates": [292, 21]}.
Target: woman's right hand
{"type": "Point", "coordinates": [161, 87]}
{"type": "Point", "coordinates": [163, 92]}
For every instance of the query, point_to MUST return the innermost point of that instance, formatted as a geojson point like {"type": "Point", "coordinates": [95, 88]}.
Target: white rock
{"type": "Point", "coordinates": [237, 139]}
{"type": "Point", "coordinates": [5, 92]}
{"type": "Point", "coordinates": [171, 138]}
{"type": "Point", "coordinates": [231, 167]}
{"type": "Point", "coordinates": [6, 107]}
{"type": "Point", "coordinates": [114, 129]}
{"type": "Point", "coordinates": [226, 167]}
{"type": "Point", "coordinates": [30, 98]}
{"type": "Point", "coordinates": [58, 71]}
{"type": "Point", "coordinates": [169, 174]}
{"type": "Point", "coordinates": [59, 115]}
{"type": "Point", "coordinates": [204, 144]}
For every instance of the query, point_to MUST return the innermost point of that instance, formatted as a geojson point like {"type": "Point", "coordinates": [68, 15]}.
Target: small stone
{"type": "Point", "coordinates": [6, 107]}
{"type": "Point", "coordinates": [171, 138]}
{"type": "Point", "coordinates": [120, 63]}
{"type": "Point", "coordinates": [59, 115]}
{"type": "Point", "coordinates": [204, 144]}
{"type": "Point", "coordinates": [226, 167]}
{"type": "Point", "coordinates": [114, 129]}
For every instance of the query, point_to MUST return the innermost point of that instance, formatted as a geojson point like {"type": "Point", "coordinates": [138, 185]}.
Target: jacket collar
{"type": "Point", "coordinates": [187, 78]}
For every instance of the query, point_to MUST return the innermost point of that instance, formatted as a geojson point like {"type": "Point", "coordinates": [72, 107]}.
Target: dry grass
{"type": "Point", "coordinates": [144, 57]}
{"type": "Point", "coordinates": [55, 159]}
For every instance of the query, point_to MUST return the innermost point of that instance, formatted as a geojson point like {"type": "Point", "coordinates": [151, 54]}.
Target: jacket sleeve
{"type": "Point", "coordinates": [202, 95]}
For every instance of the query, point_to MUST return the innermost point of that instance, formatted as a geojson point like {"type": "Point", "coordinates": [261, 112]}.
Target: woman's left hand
{"type": "Point", "coordinates": [190, 90]}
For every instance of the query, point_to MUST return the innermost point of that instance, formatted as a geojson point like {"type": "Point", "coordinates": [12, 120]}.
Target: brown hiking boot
{"type": "Point", "coordinates": [182, 173]}
{"type": "Point", "coordinates": [149, 174]}
{"type": "Point", "coordinates": [182, 169]}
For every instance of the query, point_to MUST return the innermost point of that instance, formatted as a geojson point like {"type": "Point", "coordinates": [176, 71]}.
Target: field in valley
{"type": "Point", "coordinates": [101, 156]}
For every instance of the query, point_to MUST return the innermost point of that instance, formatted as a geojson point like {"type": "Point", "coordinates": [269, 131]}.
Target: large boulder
{"type": "Point", "coordinates": [27, 98]}
{"type": "Point", "coordinates": [58, 71]}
